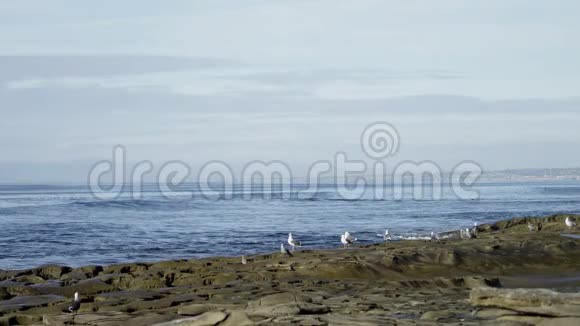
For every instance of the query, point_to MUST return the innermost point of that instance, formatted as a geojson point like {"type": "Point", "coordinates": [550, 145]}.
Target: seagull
{"type": "Point", "coordinates": [244, 261]}
{"type": "Point", "coordinates": [344, 241]}
{"type": "Point", "coordinates": [570, 223]}
{"type": "Point", "coordinates": [469, 233]}
{"type": "Point", "coordinates": [474, 229]}
{"type": "Point", "coordinates": [387, 236]}
{"type": "Point", "coordinates": [349, 237]}
{"type": "Point", "coordinates": [531, 227]}
{"type": "Point", "coordinates": [285, 251]}
{"type": "Point", "coordinates": [293, 242]}
{"type": "Point", "coordinates": [76, 305]}
{"type": "Point", "coordinates": [465, 234]}
{"type": "Point", "coordinates": [434, 237]}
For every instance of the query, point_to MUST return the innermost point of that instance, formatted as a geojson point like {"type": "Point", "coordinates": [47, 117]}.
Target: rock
{"type": "Point", "coordinates": [51, 272]}
{"type": "Point", "coordinates": [90, 271]}
{"type": "Point", "coordinates": [538, 321]}
{"type": "Point", "coordinates": [193, 310]}
{"type": "Point", "coordinates": [84, 319]}
{"type": "Point", "coordinates": [4, 295]}
{"type": "Point", "coordinates": [437, 315]}
{"type": "Point", "coordinates": [493, 313]}
{"type": "Point", "coordinates": [88, 287]}
{"type": "Point", "coordinates": [124, 297]}
{"type": "Point", "coordinates": [533, 301]}
{"type": "Point", "coordinates": [282, 304]}
{"type": "Point", "coordinates": [279, 298]}
{"type": "Point", "coordinates": [125, 268]}
{"type": "Point", "coordinates": [238, 318]}
{"type": "Point", "coordinates": [27, 302]}
{"type": "Point", "coordinates": [210, 318]}
{"type": "Point", "coordinates": [476, 281]}
{"type": "Point", "coordinates": [29, 279]}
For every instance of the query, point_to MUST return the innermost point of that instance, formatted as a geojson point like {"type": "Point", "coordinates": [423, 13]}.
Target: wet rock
{"type": "Point", "coordinates": [51, 272]}
{"type": "Point", "coordinates": [532, 301]}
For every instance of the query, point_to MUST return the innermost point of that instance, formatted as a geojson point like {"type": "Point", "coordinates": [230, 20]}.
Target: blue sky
{"type": "Point", "coordinates": [491, 81]}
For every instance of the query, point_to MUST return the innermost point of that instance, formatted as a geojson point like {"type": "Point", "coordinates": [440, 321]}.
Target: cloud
{"type": "Point", "coordinates": [40, 70]}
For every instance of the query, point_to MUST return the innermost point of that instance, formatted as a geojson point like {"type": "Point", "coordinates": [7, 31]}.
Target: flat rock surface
{"type": "Point", "coordinates": [530, 301]}
{"type": "Point", "coordinates": [392, 283]}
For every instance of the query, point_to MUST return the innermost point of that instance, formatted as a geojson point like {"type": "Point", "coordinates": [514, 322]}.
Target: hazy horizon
{"type": "Point", "coordinates": [489, 81]}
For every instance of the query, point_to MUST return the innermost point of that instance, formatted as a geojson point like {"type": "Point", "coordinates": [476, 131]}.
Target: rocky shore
{"type": "Point", "coordinates": [452, 281]}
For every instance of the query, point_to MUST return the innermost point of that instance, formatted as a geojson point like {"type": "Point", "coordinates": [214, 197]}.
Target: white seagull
{"type": "Point", "coordinates": [344, 241]}
{"type": "Point", "coordinates": [434, 237]}
{"type": "Point", "coordinates": [285, 251]}
{"type": "Point", "coordinates": [387, 236]}
{"type": "Point", "coordinates": [76, 305]}
{"type": "Point", "coordinates": [570, 223]}
{"type": "Point", "coordinates": [531, 227]}
{"type": "Point", "coordinates": [293, 242]}
{"type": "Point", "coordinates": [349, 237]}
{"type": "Point", "coordinates": [244, 261]}
{"type": "Point", "coordinates": [465, 234]}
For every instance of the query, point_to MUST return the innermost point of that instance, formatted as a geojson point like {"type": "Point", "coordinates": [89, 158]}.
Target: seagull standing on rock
{"type": "Point", "coordinates": [531, 227]}
{"type": "Point", "coordinates": [284, 250]}
{"type": "Point", "coordinates": [347, 239]}
{"type": "Point", "coordinates": [434, 237]}
{"type": "Point", "coordinates": [465, 234]}
{"type": "Point", "coordinates": [293, 242]}
{"type": "Point", "coordinates": [570, 223]}
{"type": "Point", "coordinates": [387, 236]}
{"type": "Point", "coordinates": [344, 241]}
{"type": "Point", "coordinates": [76, 305]}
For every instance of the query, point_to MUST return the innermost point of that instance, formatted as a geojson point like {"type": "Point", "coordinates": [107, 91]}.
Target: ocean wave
{"type": "Point", "coordinates": [561, 190]}
{"type": "Point", "coordinates": [139, 204]}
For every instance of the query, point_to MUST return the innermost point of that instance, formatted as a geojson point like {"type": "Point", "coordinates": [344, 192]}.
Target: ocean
{"type": "Point", "coordinates": [67, 225]}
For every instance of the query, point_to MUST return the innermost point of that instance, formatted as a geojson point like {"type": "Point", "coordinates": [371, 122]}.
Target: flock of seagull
{"type": "Point", "coordinates": [347, 239]}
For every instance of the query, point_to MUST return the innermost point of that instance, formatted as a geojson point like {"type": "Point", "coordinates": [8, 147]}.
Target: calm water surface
{"type": "Point", "coordinates": [66, 225]}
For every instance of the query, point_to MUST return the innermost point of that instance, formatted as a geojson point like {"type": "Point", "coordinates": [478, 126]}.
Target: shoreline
{"type": "Point", "coordinates": [384, 283]}
{"type": "Point", "coordinates": [406, 237]}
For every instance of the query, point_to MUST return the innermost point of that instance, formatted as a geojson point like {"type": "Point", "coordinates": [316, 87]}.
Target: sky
{"type": "Point", "coordinates": [491, 81]}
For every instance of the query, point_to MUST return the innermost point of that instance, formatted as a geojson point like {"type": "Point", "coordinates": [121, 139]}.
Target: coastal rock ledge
{"type": "Point", "coordinates": [526, 306]}
{"type": "Point", "coordinates": [415, 282]}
